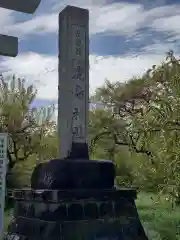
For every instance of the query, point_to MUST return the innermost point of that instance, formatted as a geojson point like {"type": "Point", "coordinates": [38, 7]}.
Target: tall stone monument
{"type": "Point", "coordinates": [73, 86]}
{"type": "Point", "coordinates": [74, 198]}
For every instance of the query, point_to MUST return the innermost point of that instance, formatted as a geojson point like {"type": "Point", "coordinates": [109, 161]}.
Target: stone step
{"type": "Point", "coordinates": [59, 196]}
{"type": "Point", "coordinates": [111, 214]}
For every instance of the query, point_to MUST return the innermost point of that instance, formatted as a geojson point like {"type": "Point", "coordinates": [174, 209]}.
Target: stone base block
{"type": "Point", "coordinates": [102, 214]}
{"type": "Point", "coordinates": [73, 174]}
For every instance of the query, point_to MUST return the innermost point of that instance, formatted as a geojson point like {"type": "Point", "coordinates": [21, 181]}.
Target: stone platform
{"type": "Point", "coordinates": [77, 200]}
{"type": "Point", "coordinates": [76, 214]}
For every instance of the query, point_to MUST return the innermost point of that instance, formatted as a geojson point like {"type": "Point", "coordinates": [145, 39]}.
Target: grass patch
{"type": "Point", "coordinates": [160, 220]}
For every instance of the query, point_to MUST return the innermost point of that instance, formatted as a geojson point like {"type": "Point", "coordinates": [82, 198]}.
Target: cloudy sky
{"type": "Point", "coordinates": [126, 38]}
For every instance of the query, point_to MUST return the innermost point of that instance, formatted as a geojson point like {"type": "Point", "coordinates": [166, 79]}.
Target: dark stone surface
{"type": "Point", "coordinates": [79, 151]}
{"type": "Point", "coordinates": [75, 210]}
{"type": "Point", "coordinates": [73, 174]}
{"type": "Point", "coordinates": [87, 219]}
{"type": "Point", "coordinates": [122, 228]}
{"type": "Point", "coordinates": [99, 229]}
{"type": "Point", "coordinates": [59, 196]}
{"type": "Point", "coordinates": [77, 200]}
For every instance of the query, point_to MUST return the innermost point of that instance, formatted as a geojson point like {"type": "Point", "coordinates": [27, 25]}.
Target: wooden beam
{"type": "Point", "coordinates": [26, 6]}
{"type": "Point", "coordinates": [8, 46]}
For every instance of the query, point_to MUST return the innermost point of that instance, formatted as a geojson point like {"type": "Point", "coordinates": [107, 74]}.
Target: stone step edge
{"type": "Point", "coordinates": [76, 194]}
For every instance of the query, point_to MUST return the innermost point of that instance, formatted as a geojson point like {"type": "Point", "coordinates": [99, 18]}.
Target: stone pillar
{"type": "Point", "coordinates": [73, 88]}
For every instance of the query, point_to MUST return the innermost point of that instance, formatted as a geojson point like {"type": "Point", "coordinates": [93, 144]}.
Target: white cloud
{"type": "Point", "coordinates": [117, 18]}
{"type": "Point", "coordinates": [102, 18]}
{"type": "Point", "coordinates": [42, 70]}
{"type": "Point", "coordinates": [158, 48]}
{"type": "Point", "coordinates": [119, 68]}
{"type": "Point", "coordinates": [121, 18]}
{"type": "Point", "coordinates": [6, 19]}
{"type": "Point", "coordinates": [169, 24]}
{"type": "Point", "coordinates": [38, 25]}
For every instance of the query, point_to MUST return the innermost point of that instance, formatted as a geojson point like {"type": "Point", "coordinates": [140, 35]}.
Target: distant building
{"type": "Point", "coordinates": [44, 111]}
{"type": "Point", "coordinates": [96, 105]}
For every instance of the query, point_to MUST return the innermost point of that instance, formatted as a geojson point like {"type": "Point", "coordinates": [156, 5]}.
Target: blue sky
{"type": "Point", "coordinates": [126, 38]}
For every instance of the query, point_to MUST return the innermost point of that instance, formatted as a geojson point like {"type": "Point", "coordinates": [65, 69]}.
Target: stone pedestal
{"type": "Point", "coordinates": [77, 200]}
{"type": "Point", "coordinates": [78, 214]}
{"type": "Point", "coordinates": [74, 173]}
